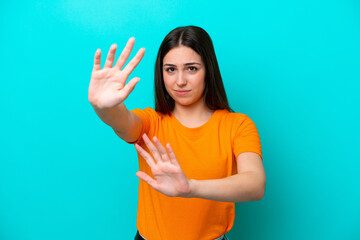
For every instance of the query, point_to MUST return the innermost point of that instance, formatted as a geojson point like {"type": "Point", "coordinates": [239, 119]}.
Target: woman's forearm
{"type": "Point", "coordinates": [125, 123]}
{"type": "Point", "coordinates": [116, 117]}
{"type": "Point", "coordinates": [241, 187]}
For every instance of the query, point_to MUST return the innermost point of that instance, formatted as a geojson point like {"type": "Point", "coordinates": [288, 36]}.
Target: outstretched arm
{"type": "Point", "coordinates": [247, 185]}
{"type": "Point", "coordinates": [108, 91]}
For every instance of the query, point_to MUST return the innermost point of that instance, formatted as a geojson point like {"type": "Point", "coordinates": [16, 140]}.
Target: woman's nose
{"type": "Point", "coordinates": [181, 81]}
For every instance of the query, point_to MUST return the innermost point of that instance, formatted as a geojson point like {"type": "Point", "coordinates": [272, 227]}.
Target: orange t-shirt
{"type": "Point", "coordinates": [205, 152]}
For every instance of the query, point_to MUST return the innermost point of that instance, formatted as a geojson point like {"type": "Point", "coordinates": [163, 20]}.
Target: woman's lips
{"type": "Point", "coordinates": [181, 92]}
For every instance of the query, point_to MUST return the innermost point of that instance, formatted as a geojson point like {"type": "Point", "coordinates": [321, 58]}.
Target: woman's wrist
{"type": "Point", "coordinates": [192, 187]}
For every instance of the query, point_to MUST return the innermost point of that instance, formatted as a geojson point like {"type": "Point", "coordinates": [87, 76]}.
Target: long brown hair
{"type": "Point", "coordinates": [199, 40]}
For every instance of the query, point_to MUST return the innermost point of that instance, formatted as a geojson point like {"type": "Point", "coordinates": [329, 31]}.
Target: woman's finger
{"type": "Point", "coordinates": [97, 60]}
{"type": "Point", "coordinates": [162, 150]}
{"type": "Point", "coordinates": [129, 87]}
{"type": "Point", "coordinates": [172, 155]}
{"type": "Point", "coordinates": [148, 158]}
{"type": "Point", "coordinates": [134, 62]}
{"type": "Point", "coordinates": [152, 148]}
{"type": "Point", "coordinates": [125, 53]}
{"type": "Point", "coordinates": [110, 57]}
{"type": "Point", "coordinates": [143, 176]}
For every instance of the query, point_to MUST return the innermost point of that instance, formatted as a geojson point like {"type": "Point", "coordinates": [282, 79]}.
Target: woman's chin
{"type": "Point", "coordinates": [185, 103]}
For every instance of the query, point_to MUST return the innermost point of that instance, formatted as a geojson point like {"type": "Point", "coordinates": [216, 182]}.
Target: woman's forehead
{"type": "Point", "coordinates": [181, 55]}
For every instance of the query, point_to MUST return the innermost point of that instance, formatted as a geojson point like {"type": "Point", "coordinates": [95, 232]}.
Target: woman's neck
{"type": "Point", "coordinates": [194, 115]}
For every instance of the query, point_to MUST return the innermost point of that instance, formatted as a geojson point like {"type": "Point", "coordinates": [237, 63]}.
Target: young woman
{"type": "Point", "coordinates": [197, 157]}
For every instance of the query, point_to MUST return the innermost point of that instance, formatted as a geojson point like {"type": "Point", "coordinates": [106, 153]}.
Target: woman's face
{"type": "Point", "coordinates": [184, 75]}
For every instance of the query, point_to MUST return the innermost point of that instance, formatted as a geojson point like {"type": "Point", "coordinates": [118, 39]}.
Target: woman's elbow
{"type": "Point", "coordinates": [261, 191]}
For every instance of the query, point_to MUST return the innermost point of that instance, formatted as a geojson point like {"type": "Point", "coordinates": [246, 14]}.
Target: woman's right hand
{"type": "Point", "coordinates": [107, 86]}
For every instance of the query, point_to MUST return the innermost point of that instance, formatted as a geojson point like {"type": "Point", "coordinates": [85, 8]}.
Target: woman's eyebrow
{"type": "Point", "coordinates": [185, 64]}
{"type": "Point", "coordinates": [191, 63]}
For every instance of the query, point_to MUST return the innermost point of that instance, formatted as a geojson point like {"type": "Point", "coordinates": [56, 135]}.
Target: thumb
{"type": "Point", "coordinates": [146, 178]}
{"type": "Point", "coordinates": [129, 87]}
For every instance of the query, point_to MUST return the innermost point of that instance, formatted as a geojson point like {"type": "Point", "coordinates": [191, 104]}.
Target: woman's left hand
{"type": "Point", "coordinates": [169, 177]}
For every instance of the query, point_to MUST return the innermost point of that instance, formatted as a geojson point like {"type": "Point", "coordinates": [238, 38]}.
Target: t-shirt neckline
{"type": "Point", "coordinates": [196, 131]}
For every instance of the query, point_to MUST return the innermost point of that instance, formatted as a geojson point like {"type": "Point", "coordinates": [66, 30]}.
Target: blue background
{"type": "Point", "coordinates": [292, 66]}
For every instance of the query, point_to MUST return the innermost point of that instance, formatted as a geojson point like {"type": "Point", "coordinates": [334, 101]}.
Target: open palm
{"type": "Point", "coordinates": [107, 86]}
{"type": "Point", "coordinates": [169, 177]}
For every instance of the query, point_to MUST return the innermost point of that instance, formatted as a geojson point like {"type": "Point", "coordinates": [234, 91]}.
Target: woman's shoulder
{"type": "Point", "coordinates": [234, 120]}
{"type": "Point", "coordinates": [148, 112]}
{"type": "Point", "coordinates": [231, 116]}
{"type": "Point", "coordinates": [239, 125]}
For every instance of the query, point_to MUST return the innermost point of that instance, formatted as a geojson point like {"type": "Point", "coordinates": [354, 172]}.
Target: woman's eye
{"type": "Point", "coordinates": [170, 69]}
{"type": "Point", "coordinates": [192, 69]}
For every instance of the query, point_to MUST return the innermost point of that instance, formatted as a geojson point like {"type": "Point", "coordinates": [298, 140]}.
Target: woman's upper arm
{"type": "Point", "coordinates": [251, 162]}
{"type": "Point", "coordinates": [140, 121]}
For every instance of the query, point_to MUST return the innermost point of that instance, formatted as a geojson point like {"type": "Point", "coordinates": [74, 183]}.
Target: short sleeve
{"type": "Point", "coordinates": [148, 117]}
{"type": "Point", "coordinates": [246, 137]}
